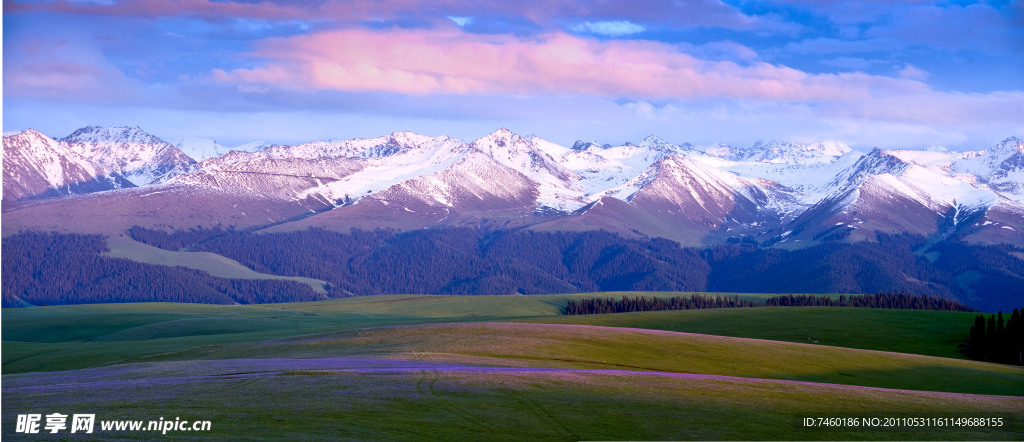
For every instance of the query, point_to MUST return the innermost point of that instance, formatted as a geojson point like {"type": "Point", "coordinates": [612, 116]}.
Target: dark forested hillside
{"type": "Point", "coordinates": [988, 276]}
{"type": "Point", "coordinates": [175, 240]}
{"type": "Point", "coordinates": [50, 269]}
{"type": "Point", "coordinates": [889, 265]}
{"type": "Point", "coordinates": [473, 261]}
{"type": "Point", "coordinates": [468, 261]}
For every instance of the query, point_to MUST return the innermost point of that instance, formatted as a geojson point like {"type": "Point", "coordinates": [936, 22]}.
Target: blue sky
{"type": "Point", "coordinates": [869, 73]}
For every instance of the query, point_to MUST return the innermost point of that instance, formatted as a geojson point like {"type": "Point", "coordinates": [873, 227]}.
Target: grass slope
{"type": "Point", "coordinates": [905, 331]}
{"type": "Point", "coordinates": [68, 337]}
{"type": "Point", "coordinates": [212, 263]}
{"type": "Point", "coordinates": [388, 400]}
{"type": "Point", "coordinates": [593, 347]}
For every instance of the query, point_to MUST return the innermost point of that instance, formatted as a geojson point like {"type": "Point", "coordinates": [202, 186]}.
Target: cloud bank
{"type": "Point", "coordinates": [868, 73]}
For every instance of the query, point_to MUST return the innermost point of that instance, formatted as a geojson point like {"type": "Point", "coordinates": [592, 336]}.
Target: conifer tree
{"type": "Point", "coordinates": [990, 339]}
{"type": "Point", "coordinates": [976, 342]}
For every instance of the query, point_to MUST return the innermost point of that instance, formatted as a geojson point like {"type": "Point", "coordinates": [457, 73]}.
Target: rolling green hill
{"type": "Point", "coordinates": [442, 367]}
{"type": "Point", "coordinates": [65, 337]}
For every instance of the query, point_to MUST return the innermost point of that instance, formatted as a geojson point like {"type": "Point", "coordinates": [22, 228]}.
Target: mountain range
{"type": "Point", "coordinates": [107, 179]}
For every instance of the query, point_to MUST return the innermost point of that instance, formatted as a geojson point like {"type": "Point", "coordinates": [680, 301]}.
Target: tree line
{"type": "Point", "coordinates": [996, 340]}
{"type": "Point", "coordinates": [591, 306]}
{"type": "Point", "coordinates": [877, 300]}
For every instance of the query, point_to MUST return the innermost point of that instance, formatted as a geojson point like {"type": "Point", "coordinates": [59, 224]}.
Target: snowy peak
{"type": "Point", "coordinates": [831, 148]}
{"type": "Point", "coordinates": [777, 152]}
{"type": "Point", "coordinates": [793, 153]}
{"type": "Point", "coordinates": [558, 186]}
{"type": "Point", "coordinates": [654, 143]}
{"type": "Point", "coordinates": [683, 182]}
{"type": "Point", "coordinates": [898, 191]}
{"type": "Point", "coordinates": [1008, 147]}
{"type": "Point", "coordinates": [251, 146]}
{"type": "Point", "coordinates": [140, 157]}
{"type": "Point", "coordinates": [203, 148]}
{"type": "Point", "coordinates": [111, 135]}
{"type": "Point", "coordinates": [35, 165]}
{"type": "Point", "coordinates": [876, 162]}
{"type": "Point", "coordinates": [27, 139]}
{"type": "Point", "coordinates": [1008, 156]}
{"type": "Point", "coordinates": [585, 145]}
{"type": "Point", "coordinates": [520, 153]}
{"type": "Point", "coordinates": [379, 147]}
{"type": "Point", "coordinates": [706, 198]}
{"type": "Point", "coordinates": [48, 158]}
{"type": "Point", "coordinates": [1007, 176]}
{"type": "Point", "coordinates": [473, 183]}
{"type": "Point", "coordinates": [503, 143]}
{"type": "Point", "coordinates": [720, 150]}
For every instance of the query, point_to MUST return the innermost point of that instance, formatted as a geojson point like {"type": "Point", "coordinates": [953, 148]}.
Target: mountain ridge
{"type": "Point", "coordinates": [778, 192]}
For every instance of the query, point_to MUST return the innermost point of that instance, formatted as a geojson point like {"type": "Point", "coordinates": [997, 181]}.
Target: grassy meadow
{"type": "Point", "coordinates": [506, 367]}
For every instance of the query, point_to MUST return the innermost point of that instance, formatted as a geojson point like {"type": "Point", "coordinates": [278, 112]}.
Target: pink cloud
{"type": "Point", "coordinates": [449, 61]}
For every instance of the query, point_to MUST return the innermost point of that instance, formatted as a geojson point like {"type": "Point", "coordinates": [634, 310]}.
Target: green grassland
{"type": "Point", "coordinates": [593, 347]}
{"type": "Point", "coordinates": [906, 331]}
{"type": "Point", "coordinates": [245, 401]}
{"type": "Point", "coordinates": [70, 337]}
{"type": "Point", "coordinates": [443, 367]}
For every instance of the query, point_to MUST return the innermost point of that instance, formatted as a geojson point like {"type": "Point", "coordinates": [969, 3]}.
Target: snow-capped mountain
{"type": "Point", "coordinates": [333, 173]}
{"type": "Point", "coordinates": [774, 191]}
{"type": "Point", "coordinates": [378, 147]}
{"type": "Point", "coordinates": [476, 182]}
{"type": "Point", "coordinates": [138, 156]}
{"type": "Point", "coordinates": [791, 153]}
{"type": "Point", "coordinates": [1007, 171]}
{"type": "Point", "coordinates": [906, 191]}
{"type": "Point", "coordinates": [557, 186]}
{"type": "Point", "coordinates": [704, 195]}
{"type": "Point", "coordinates": [35, 165]}
{"type": "Point", "coordinates": [201, 149]}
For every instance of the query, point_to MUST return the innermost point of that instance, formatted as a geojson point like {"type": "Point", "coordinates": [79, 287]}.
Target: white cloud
{"type": "Point", "coordinates": [913, 73]}
{"type": "Point", "coordinates": [609, 28]}
{"type": "Point", "coordinates": [461, 21]}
